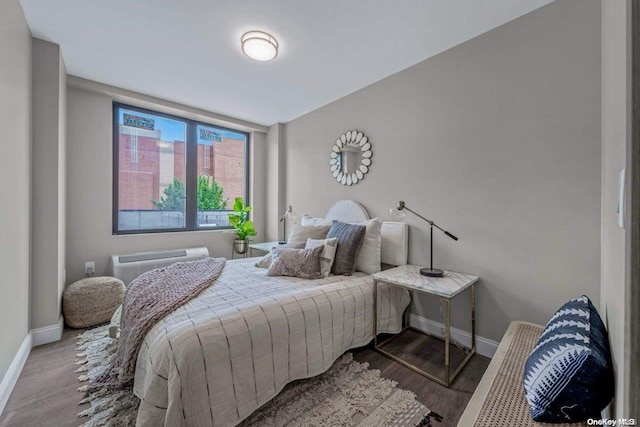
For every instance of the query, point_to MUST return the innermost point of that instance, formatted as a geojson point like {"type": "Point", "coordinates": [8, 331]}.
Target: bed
{"type": "Point", "coordinates": [221, 356]}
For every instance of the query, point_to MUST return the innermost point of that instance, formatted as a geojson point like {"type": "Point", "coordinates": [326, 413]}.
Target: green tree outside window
{"type": "Point", "coordinates": [210, 196]}
{"type": "Point", "coordinates": [174, 197]}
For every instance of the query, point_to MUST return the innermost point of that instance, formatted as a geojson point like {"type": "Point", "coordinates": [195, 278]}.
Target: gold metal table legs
{"type": "Point", "coordinates": [448, 376]}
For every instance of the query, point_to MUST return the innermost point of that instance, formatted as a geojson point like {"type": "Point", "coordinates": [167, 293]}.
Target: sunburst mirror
{"type": "Point", "coordinates": [350, 157]}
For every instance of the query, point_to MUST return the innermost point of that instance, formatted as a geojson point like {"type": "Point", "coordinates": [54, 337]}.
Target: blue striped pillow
{"type": "Point", "coordinates": [568, 376]}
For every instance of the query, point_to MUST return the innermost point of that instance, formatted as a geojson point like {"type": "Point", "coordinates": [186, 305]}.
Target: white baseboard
{"type": "Point", "coordinates": [34, 338]}
{"type": "Point", "coordinates": [12, 374]}
{"type": "Point", "coordinates": [48, 334]}
{"type": "Point", "coordinates": [484, 346]}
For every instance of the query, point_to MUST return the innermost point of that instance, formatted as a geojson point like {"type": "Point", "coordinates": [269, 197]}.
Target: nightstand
{"type": "Point", "coordinates": [264, 247]}
{"type": "Point", "coordinates": [445, 288]}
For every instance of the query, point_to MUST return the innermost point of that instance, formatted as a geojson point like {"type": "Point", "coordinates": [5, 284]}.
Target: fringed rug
{"type": "Point", "coordinates": [348, 394]}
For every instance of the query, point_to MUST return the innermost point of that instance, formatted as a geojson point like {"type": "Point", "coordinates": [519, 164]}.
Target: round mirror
{"type": "Point", "coordinates": [350, 157]}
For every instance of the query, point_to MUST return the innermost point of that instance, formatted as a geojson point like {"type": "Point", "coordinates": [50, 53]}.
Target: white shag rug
{"type": "Point", "coordinates": [348, 394]}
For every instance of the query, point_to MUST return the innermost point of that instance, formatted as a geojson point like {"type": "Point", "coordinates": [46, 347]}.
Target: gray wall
{"type": "Point", "coordinates": [48, 183]}
{"type": "Point", "coordinates": [275, 174]}
{"type": "Point", "coordinates": [258, 189]}
{"type": "Point", "coordinates": [615, 133]}
{"type": "Point", "coordinates": [89, 192]}
{"type": "Point", "coordinates": [498, 140]}
{"type": "Point", "coordinates": [62, 179]}
{"type": "Point", "coordinates": [15, 179]}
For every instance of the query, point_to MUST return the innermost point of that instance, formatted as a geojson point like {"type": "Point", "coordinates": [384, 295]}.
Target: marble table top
{"type": "Point", "coordinates": [408, 276]}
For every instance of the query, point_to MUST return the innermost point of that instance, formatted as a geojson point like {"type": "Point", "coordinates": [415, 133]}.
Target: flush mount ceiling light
{"type": "Point", "coordinates": [259, 45]}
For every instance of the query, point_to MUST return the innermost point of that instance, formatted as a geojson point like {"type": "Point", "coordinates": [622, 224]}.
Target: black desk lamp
{"type": "Point", "coordinates": [289, 214]}
{"type": "Point", "coordinates": [397, 214]}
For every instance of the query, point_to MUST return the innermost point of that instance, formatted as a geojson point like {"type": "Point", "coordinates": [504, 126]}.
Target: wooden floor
{"type": "Point", "coordinates": [46, 395]}
{"type": "Point", "coordinates": [428, 354]}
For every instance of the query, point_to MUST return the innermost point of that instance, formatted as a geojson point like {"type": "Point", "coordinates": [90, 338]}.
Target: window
{"type": "Point", "coordinates": [174, 174]}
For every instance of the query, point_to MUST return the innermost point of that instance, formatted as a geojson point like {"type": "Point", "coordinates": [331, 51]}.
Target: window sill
{"type": "Point", "coordinates": [174, 232]}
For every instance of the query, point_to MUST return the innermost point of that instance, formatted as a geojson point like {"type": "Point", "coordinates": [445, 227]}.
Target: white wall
{"type": "Point", "coordinates": [15, 179]}
{"type": "Point", "coordinates": [616, 93]}
{"type": "Point", "coordinates": [89, 192]}
{"type": "Point", "coordinates": [497, 140]}
{"type": "Point", "coordinates": [49, 183]}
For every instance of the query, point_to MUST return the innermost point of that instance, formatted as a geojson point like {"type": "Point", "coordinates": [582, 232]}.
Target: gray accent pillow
{"type": "Point", "coordinates": [350, 239]}
{"type": "Point", "coordinates": [303, 263]}
{"type": "Point", "coordinates": [265, 261]}
{"type": "Point", "coordinates": [300, 233]}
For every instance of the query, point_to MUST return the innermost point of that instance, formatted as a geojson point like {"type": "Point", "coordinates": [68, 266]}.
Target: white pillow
{"type": "Point", "coordinates": [328, 254]}
{"type": "Point", "coordinates": [368, 260]}
{"type": "Point", "coordinates": [310, 220]}
{"type": "Point", "coordinates": [300, 233]}
{"type": "Point", "coordinates": [369, 257]}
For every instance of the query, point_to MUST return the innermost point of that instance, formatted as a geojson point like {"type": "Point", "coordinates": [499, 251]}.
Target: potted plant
{"type": "Point", "coordinates": [240, 221]}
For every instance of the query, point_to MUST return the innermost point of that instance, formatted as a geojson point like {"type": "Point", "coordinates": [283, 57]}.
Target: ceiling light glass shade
{"type": "Point", "coordinates": [259, 45]}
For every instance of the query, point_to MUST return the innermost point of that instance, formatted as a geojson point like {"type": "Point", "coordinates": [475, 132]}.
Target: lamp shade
{"type": "Point", "coordinates": [397, 212]}
{"type": "Point", "coordinates": [290, 214]}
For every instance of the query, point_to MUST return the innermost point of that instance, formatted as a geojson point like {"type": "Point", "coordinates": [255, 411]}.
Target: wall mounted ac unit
{"type": "Point", "coordinates": [128, 267]}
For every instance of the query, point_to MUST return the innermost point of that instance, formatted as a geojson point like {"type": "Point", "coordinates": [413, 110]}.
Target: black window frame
{"type": "Point", "coordinates": [191, 171]}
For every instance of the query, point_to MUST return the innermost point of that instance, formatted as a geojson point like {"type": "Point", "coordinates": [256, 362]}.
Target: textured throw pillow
{"type": "Point", "coordinates": [350, 238]}
{"type": "Point", "coordinates": [303, 263]}
{"type": "Point", "coordinates": [300, 233]}
{"type": "Point", "coordinates": [265, 261]}
{"type": "Point", "coordinates": [568, 376]}
{"type": "Point", "coordinates": [368, 260]}
{"type": "Point", "coordinates": [328, 254]}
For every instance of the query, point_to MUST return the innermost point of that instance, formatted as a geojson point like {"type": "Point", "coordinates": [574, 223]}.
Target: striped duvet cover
{"type": "Point", "coordinates": [230, 350]}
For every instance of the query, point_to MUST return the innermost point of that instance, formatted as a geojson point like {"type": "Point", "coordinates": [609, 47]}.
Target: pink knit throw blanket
{"type": "Point", "coordinates": [148, 299]}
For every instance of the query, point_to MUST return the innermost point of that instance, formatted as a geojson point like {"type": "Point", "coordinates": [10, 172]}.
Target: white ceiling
{"type": "Point", "coordinates": [189, 51]}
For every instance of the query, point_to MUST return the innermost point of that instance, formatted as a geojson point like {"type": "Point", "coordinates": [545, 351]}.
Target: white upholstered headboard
{"type": "Point", "coordinates": [347, 211]}
{"type": "Point", "coordinates": [395, 235]}
{"type": "Point", "coordinates": [395, 243]}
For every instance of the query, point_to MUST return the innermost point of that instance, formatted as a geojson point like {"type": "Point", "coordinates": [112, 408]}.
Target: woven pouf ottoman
{"type": "Point", "coordinates": [92, 301]}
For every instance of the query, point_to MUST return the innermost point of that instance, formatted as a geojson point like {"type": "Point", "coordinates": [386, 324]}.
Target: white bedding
{"type": "Point", "coordinates": [233, 348]}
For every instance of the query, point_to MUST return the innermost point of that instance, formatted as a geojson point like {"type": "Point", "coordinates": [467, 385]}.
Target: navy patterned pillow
{"type": "Point", "coordinates": [568, 376]}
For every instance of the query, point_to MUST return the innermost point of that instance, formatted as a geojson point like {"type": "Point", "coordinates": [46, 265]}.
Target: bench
{"type": "Point", "coordinates": [499, 399]}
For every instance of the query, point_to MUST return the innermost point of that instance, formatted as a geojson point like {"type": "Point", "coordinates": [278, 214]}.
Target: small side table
{"type": "Point", "coordinates": [264, 247]}
{"type": "Point", "coordinates": [445, 288]}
